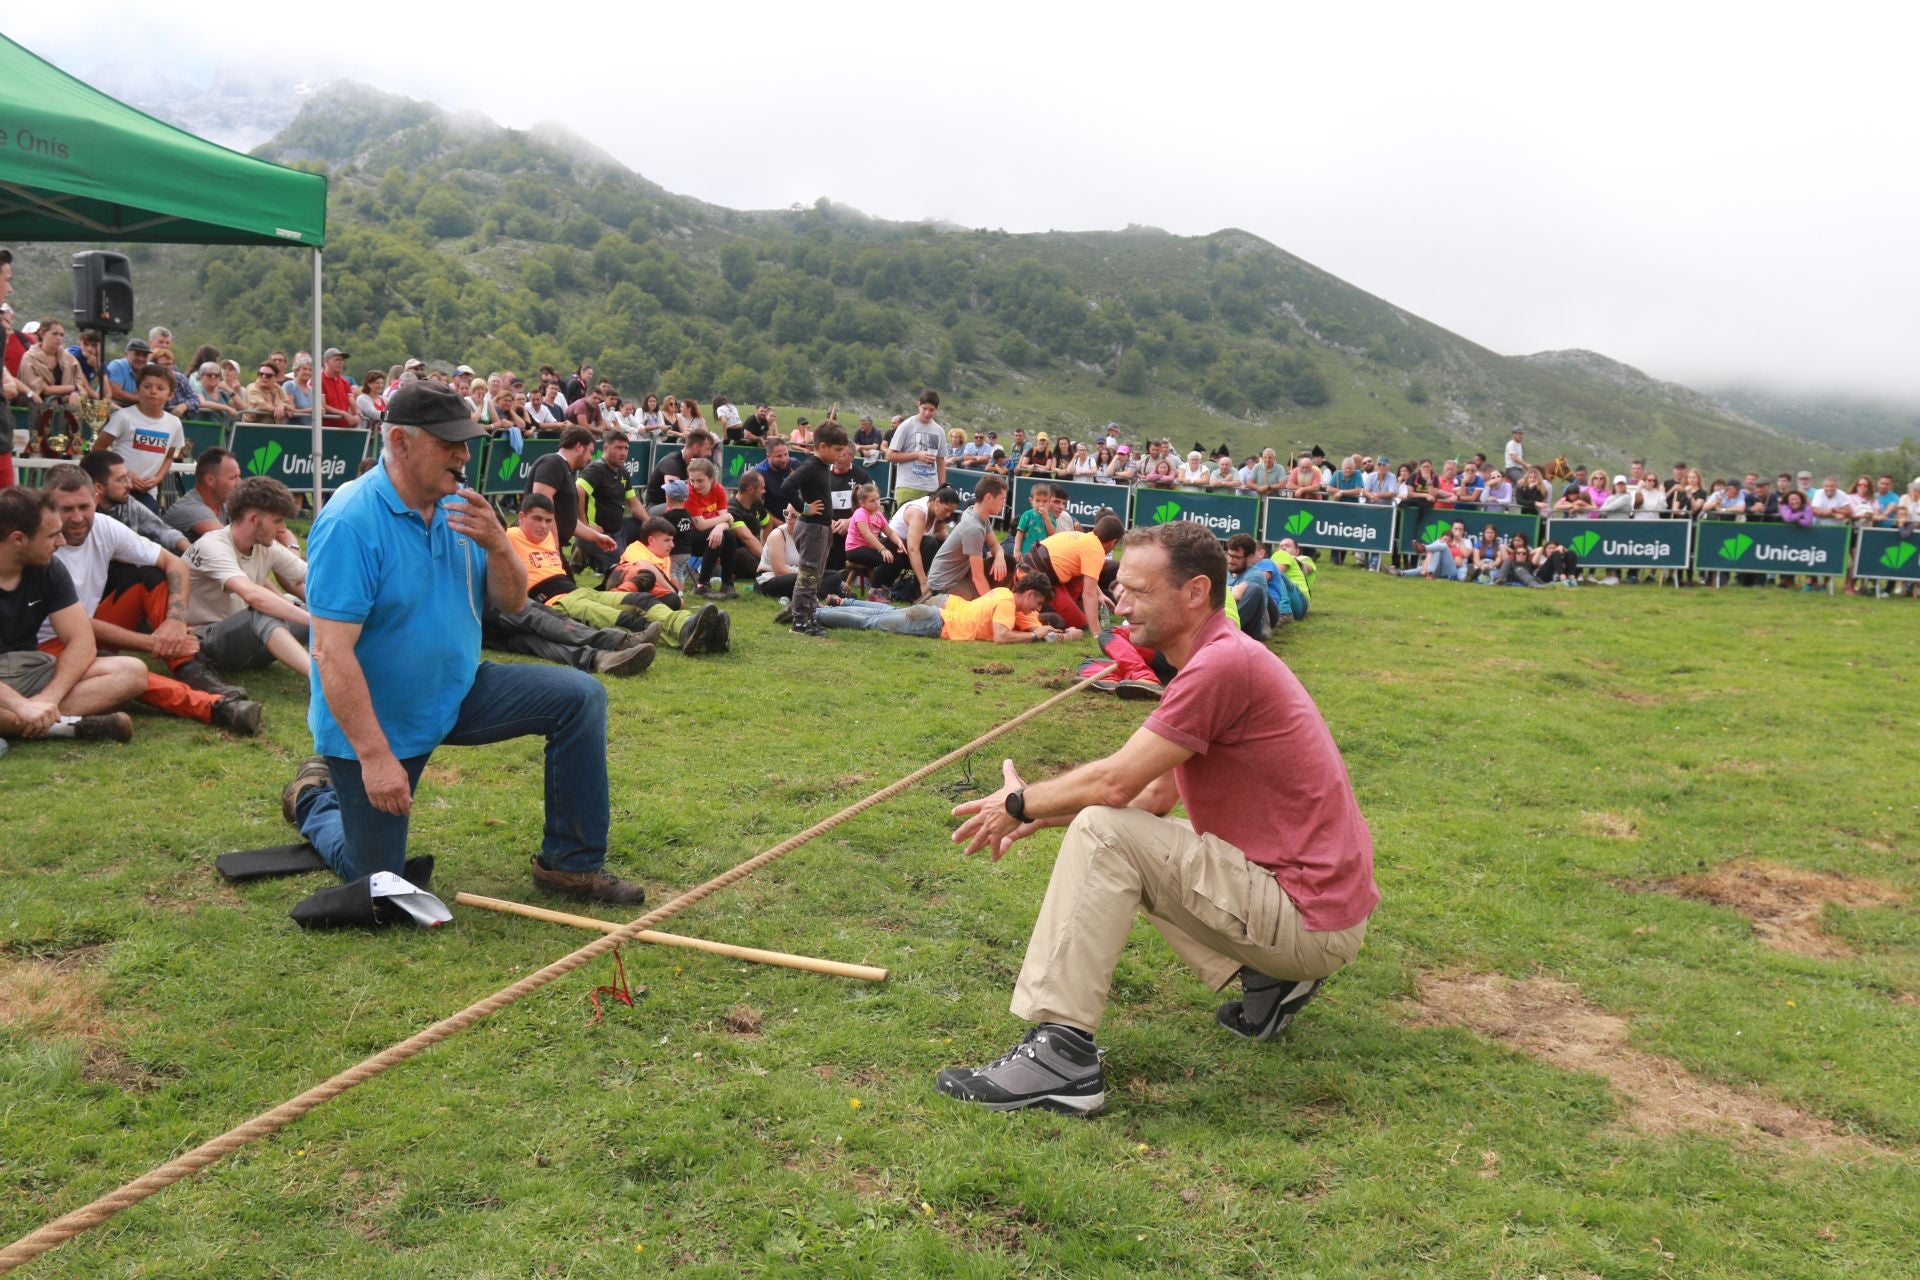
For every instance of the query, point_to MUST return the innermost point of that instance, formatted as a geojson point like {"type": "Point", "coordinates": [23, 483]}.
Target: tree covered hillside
{"type": "Point", "coordinates": [455, 239]}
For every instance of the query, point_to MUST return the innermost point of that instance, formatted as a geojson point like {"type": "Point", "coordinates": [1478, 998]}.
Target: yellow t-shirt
{"type": "Point", "coordinates": [974, 619]}
{"type": "Point", "coordinates": [663, 582]}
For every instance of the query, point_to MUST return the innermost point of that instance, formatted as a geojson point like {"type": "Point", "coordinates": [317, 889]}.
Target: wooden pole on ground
{"type": "Point", "coordinates": [836, 968]}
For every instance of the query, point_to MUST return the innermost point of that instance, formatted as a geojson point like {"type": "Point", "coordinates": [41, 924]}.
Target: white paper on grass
{"type": "Point", "coordinates": [410, 898]}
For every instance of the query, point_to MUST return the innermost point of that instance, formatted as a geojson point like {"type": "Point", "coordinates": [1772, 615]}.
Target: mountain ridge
{"type": "Point", "coordinates": [454, 237]}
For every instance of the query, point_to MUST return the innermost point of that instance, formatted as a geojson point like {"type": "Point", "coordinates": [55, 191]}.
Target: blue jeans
{"type": "Point", "coordinates": [873, 615]}
{"type": "Point", "coordinates": [1256, 615]}
{"type": "Point", "coordinates": [568, 708]}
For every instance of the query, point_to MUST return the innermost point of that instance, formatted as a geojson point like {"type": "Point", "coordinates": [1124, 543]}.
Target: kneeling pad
{"type": "Point", "coordinates": [276, 860]}
{"type": "Point", "coordinates": [374, 901]}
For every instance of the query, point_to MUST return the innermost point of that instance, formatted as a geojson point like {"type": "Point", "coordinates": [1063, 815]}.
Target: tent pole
{"type": "Point", "coordinates": [318, 392]}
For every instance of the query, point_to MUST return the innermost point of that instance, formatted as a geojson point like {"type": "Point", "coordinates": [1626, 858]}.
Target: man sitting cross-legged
{"type": "Point", "coordinates": [1269, 879]}
{"type": "Point", "coordinates": [42, 695]}
{"type": "Point", "coordinates": [248, 601]}
{"type": "Point", "coordinates": [1003, 616]}
{"type": "Point", "coordinates": [136, 595]}
{"type": "Point", "coordinates": [646, 567]}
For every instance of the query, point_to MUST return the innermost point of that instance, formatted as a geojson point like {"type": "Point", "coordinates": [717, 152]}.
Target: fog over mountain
{"type": "Point", "coordinates": [1702, 193]}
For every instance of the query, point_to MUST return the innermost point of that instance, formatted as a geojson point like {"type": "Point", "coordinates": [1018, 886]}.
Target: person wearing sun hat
{"type": "Point", "coordinates": [402, 562]}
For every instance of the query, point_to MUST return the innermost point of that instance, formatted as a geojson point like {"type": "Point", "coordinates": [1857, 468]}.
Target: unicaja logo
{"type": "Point", "coordinates": [736, 465]}
{"type": "Point", "coordinates": [1435, 531]}
{"type": "Point", "coordinates": [1897, 556]}
{"type": "Point", "coordinates": [509, 465]}
{"type": "Point", "coordinates": [1166, 513]}
{"type": "Point", "coordinates": [1584, 543]}
{"type": "Point", "coordinates": [263, 458]}
{"type": "Point", "coordinates": [1298, 522]}
{"type": "Point", "coordinates": [1735, 547]}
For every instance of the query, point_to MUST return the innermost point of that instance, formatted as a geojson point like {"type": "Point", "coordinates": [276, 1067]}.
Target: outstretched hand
{"type": "Point", "coordinates": [988, 822]}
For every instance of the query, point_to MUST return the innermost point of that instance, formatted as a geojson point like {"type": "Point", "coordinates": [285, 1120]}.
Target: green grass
{"type": "Point", "coordinates": [1493, 735]}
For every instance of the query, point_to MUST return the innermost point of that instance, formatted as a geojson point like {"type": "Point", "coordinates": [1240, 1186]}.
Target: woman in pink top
{"type": "Point", "coordinates": [870, 543]}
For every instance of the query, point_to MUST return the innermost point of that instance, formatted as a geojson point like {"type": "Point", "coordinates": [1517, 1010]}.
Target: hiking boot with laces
{"type": "Point", "coordinates": [630, 661]}
{"type": "Point", "coordinates": [587, 886]}
{"type": "Point", "coordinates": [114, 726]}
{"type": "Point", "coordinates": [237, 715]}
{"type": "Point", "coordinates": [1267, 1005]}
{"type": "Point", "coordinates": [1053, 1067]}
{"type": "Point", "coordinates": [198, 676]}
{"type": "Point", "coordinates": [313, 772]}
{"type": "Point", "coordinates": [701, 630]}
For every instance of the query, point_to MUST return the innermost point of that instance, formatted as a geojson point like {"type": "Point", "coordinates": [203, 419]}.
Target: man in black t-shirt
{"type": "Point", "coordinates": [754, 428]}
{"type": "Point", "coordinates": [699, 445]}
{"type": "Point", "coordinates": [552, 478]}
{"type": "Point", "coordinates": [43, 695]}
{"type": "Point", "coordinates": [611, 505]}
{"type": "Point", "coordinates": [748, 507]}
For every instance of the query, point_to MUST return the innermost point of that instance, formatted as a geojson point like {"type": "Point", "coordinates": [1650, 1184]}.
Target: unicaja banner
{"type": "Point", "coordinates": [1885, 554]}
{"type": "Point", "coordinates": [1220, 514]}
{"type": "Point", "coordinates": [964, 483]}
{"type": "Point", "coordinates": [1085, 501]}
{"type": "Point", "coordinates": [1624, 544]}
{"type": "Point", "coordinates": [735, 461]}
{"type": "Point", "coordinates": [506, 471]}
{"type": "Point", "coordinates": [1415, 534]}
{"type": "Point", "coordinates": [1344, 526]}
{"type": "Point", "coordinates": [1761, 547]}
{"type": "Point", "coordinates": [286, 454]}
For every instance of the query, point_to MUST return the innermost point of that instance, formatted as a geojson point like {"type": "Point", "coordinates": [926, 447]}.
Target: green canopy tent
{"type": "Point", "coordinates": [76, 164]}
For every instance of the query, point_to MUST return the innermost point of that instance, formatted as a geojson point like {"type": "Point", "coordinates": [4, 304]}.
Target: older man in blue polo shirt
{"type": "Point", "coordinates": [397, 566]}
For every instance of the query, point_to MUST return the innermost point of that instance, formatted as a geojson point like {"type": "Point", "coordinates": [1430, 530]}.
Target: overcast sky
{"type": "Point", "coordinates": [1705, 191]}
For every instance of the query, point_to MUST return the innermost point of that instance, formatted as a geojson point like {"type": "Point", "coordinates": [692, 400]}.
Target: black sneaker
{"type": "Point", "coordinates": [723, 637]}
{"type": "Point", "coordinates": [698, 634]}
{"type": "Point", "coordinates": [1267, 1005]}
{"type": "Point", "coordinates": [808, 628]}
{"type": "Point", "coordinates": [313, 772]}
{"type": "Point", "coordinates": [197, 675]}
{"type": "Point", "coordinates": [237, 715]}
{"type": "Point", "coordinates": [1052, 1067]}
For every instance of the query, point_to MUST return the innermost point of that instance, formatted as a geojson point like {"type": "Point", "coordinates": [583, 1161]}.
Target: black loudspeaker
{"type": "Point", "coordinates": [102, 291]}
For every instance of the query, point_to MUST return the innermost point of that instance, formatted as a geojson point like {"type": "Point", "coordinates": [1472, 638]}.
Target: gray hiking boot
{"type": "Point", "coordinates": [1052, 1067]}
{"type": "Point", "coordinates": [1267, 1005]}
{"type": "Point", "coordinates": [624, 662]}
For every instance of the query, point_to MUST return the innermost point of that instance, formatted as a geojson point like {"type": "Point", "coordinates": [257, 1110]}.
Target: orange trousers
{"type": "Point", "coordinates": [136, 598]}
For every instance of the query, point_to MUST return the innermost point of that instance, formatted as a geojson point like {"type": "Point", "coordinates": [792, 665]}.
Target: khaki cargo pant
{"type": "Point", "coordinates": [1216, 910]}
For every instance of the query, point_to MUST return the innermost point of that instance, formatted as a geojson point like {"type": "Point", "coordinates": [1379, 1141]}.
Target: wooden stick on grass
{"type": "Point", "coordinates": [866, 973]}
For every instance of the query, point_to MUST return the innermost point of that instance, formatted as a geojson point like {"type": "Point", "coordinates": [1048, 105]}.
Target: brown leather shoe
{"type": "Point", "coordinates": [587, 886]}
{"type": "Point", "coordinates": [313, 772]}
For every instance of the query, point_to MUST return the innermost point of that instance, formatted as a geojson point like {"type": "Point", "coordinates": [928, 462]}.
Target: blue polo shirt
{"type": "Point", "coordinates": [417, 592]}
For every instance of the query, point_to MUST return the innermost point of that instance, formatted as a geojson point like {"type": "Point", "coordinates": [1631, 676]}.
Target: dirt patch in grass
{"type": "Point", "coordinates": [1784, 903]}
{"type": "Point", "coordinates": [744, 1020]}
{"type": "Point", "coordinates": [55, 996]}
{"type": "Point", "coordinates": [992, 669]}
{"type": "Point", "coordinates": [1635, 697]}
{"type": "Point", "coordinates": [1614, 826]}
{"type": "Point", "coordinates": [1552, 1022]}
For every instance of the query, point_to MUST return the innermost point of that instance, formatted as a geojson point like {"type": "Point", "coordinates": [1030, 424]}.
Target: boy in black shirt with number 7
{"type": "Point", "coordinates": [822, 488]}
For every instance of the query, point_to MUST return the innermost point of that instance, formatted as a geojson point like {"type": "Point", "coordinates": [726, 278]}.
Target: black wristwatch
{"type": "Point", "coordinates": [1017, 805]}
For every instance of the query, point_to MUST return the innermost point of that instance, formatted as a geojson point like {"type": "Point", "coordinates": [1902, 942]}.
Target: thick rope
{"type": "Point", "coordinates": [64, 1228]}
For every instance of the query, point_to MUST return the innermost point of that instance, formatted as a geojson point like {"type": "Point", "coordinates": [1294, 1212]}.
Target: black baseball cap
{"type": "Point", "coordinates": [438, 410]}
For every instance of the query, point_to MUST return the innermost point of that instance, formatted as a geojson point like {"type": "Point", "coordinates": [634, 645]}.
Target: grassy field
{"type": "Point", "coordinates": [1535, 766]}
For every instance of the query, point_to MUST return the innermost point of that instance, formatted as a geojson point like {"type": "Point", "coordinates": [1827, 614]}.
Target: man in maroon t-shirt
{"type": "Point", "coordinates": [1269, 880]}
